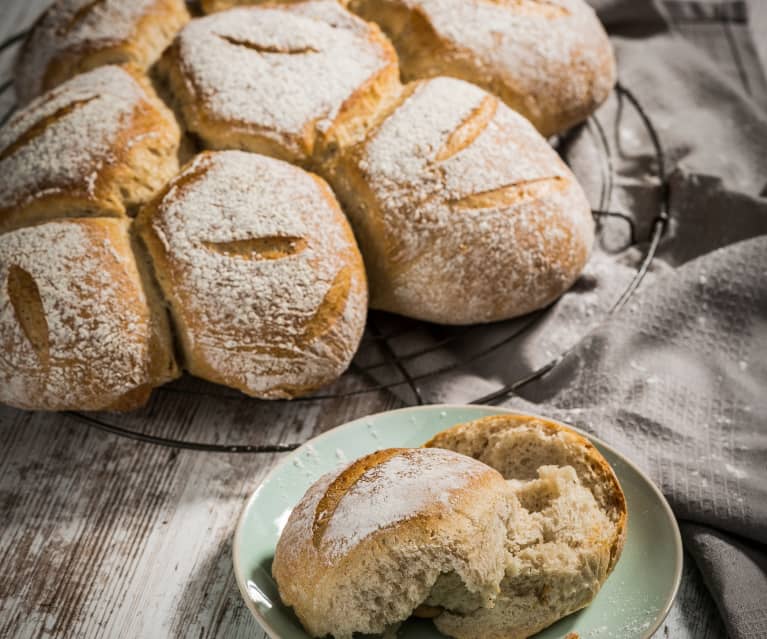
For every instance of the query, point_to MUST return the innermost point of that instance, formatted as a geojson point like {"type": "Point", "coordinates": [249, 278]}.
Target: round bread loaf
{"type": "Point", "coordinates": [566, 529]}
{"type": "Point", "coordinates": [549, 60]}
{"type": "Point", "coordinates": [368, 545]}
{"type": "Point", "coordinates": [80, 326]}
{"type": "Point", "coordinates": [99, 144]}
{"type": "Point", "coordinates": [463, 212]}
{"type": "Point", "coordinates": [73, 36]}
{"type": "Point", "coordinates": [263, 275]}
{"type": "Point", "coordinates": [281, 80]}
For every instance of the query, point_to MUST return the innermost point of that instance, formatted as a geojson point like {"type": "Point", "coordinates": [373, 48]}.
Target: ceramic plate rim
{"type": "Point", "coordinates": [236, 540]}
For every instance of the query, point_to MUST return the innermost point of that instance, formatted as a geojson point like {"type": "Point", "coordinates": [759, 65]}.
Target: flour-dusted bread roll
{"type": "Point", "coordinates": [550, 60]}
{"type": "Point", "coordinates": [463, 212]}
{"type": "Point", "coordinates": [566, 528]}
{"type": "Point", "coordinates": [98, 144]}
{"type": "Point", "coordinates": [395, 531]}
{"type": "Point", "coordinates": [281, 80]}
{"type": "Point", "coordinates": [262, 273]}
{"type": "Point", "coordinates": [80, 326]}
{"type": "Point", "coordinates": [73, 36]}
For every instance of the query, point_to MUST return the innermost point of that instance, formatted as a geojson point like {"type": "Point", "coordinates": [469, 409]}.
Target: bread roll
{"type": "Point", "coordinates": [281, 80]}
{"type": "Point", "coordinates": [551, 61]}
{"type": "Point", "coordinates": [463, 212]}
{"type": "Point", "coordinates": [566, 529]}
{"type": "Point", "coordinates": [99, 144]}
{"type": "Point", "coordinates": [398, 528]}
{"type": "Point", "coordinates": [73, 36]}
{"type": "Point", "coordinates": [80, 329]}
{"type": "Point", "coordinates": [262, 273]}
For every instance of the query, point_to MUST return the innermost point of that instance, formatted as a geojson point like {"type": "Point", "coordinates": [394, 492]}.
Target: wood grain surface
{"type": "Point", "coordinates": [102, 536]}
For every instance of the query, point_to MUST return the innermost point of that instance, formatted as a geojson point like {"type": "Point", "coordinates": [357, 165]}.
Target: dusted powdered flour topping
{"type": "Point", "coordinates": [472, 204]}
{"type": "Point", "coordinates": [280, 72]}
{"type": "Point", "coordinates": [68, 143]}
{"type": "Point", "coordinates": [72, 27]}
{"type": "Point", "coordinates": [549, 59]}
{"type": "Point", "coordinates": [74, 322]}
{"type": "Point", "coordinates": [402, 485]}
{"type": "Point", "coordinates": [262, 271]}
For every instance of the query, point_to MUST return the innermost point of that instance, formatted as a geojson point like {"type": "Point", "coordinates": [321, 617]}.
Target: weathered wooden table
{"type": "Point", "coordinates": [102, 536]}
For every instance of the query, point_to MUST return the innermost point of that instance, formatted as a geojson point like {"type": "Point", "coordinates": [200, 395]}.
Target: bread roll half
{"type": "Point", "coordinates": [566, 529]}
{"type": "Point", "coordinates": [463, 212]}
{"type": "Point", "coordinates": [396, 529]}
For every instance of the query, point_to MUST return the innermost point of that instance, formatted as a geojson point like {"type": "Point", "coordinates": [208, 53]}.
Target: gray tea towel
{"type": "Point", "coordinates": [676, 379]}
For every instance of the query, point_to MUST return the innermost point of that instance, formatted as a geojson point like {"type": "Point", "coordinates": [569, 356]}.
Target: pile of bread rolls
{"type": "Point", "coordinates": [495, 529]}
{"type": "Point", "coordinates": [157, 212]}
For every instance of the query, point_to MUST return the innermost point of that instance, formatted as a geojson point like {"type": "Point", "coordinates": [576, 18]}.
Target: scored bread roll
{"type": "Point", "coordinates": [368, 545]}
{"type": "Point", "coordinates": [74, 36]}
{"type": "Point", "coordinates": [280, 80]}
{"type": "Point", "coordinates": [80, 327]}
{"type": "Point", "coordinates": [264, 278]}
{"type": "Point", "coordinates": [566, 529]}
{"type": "Point", "coordinates": [463, 212]}
{"type": "Point", "coordinates": [99, 144]}
{"type": "Point", "coordinates": [550, 61]}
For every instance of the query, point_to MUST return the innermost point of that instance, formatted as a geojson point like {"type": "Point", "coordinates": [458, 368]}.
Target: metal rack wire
{"type": "Point", "coordinates": [379, 338]}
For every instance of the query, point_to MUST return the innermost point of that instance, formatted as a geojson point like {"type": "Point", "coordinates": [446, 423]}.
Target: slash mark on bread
{"type": "Point", "coordinates": [38, 128]}
{"type": "Point", "coordinates": [330, 309]}
{"type": "Point", "coordinates": [544, 8]}
{"type": "Point", "coordinates": [28, 307]}
{"type": "Point", "coordinates": [263, 248]}
{"type": "Point", "coordinates": [269, 48]}
{"type": "Point", "coordinates": [509, 194]}
{"type": "Point", "coordinates": [342, 484]}
{"type": "Point", "coordinates": [470, 129]}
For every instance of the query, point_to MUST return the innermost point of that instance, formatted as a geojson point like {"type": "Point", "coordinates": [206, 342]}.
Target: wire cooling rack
{"type": "Point", "coordinates": [382, 328]}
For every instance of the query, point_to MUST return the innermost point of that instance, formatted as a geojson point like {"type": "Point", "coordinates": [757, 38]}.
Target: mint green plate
{"type": "Point", "coordinates": [631, 605]}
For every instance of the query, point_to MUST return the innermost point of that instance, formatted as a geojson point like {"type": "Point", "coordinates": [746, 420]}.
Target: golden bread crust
{"type": "Point", "coordinates": [261, 271]}
{"type": "Point", "coordinates": [280, 80]}
{"type": "Point", "coordinates": [424, 512]}
{"type": "Point", "coordinates": [463, 212]}
{"type": "Point", "coordinates": [99, 144]}
{"type": "Point", "coordinates": [74, 36]}
{"type": "Point", "coordinates": [550, 61]}
{"type": "Point", "coordinates": [78, 329]}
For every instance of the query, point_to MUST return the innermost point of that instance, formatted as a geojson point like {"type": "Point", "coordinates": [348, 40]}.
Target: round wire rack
{"type": "Point", "coordinates": [382, 329]}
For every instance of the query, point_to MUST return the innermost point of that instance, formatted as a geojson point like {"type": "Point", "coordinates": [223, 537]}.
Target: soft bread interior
{"type": "Point", "coordinates": [565, 529]}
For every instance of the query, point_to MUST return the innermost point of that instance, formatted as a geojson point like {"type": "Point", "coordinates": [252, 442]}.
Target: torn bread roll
{"type": "Point", "coordinates": [100, 144]}
{"type": "Point", "coordinates": [549, 60]}
{"type": "Point", "coordinates": [259, 265]}
{"type": "Point", "coordinates": [81, 327]}
{"type": "Point", "coordinates": [566, 529]}
{"type": "Point", "coordinates": [463, 212]}
{"type": "Point", "coordinates": [74, 36]}
{"type": "Point", "coordinates": [394, 530]}
{"type": "Point", "coordinates": [281, 80]}
{"type": "Point", "coordinates": [433, 533]}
